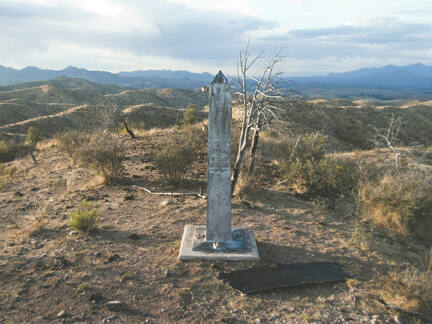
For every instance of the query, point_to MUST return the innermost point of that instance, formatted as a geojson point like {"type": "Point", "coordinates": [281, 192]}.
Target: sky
{"type": "Point", "coordinates": [314, 36]}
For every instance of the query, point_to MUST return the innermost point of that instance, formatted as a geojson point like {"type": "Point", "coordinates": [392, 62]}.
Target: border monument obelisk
{"type": "Point", "coordinates": [217, 240]}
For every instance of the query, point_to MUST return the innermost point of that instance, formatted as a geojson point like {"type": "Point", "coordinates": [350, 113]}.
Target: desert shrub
{"type": "Point", "coordinates": [104, 154]}
{"type": "Point", "coordinates": [400, 202]}
{"type": "Point", "coordinates": [310, 147]}
{"type": "Point", "coordinates": [328, 177]}
{"type": "Point", "coordinates": [195, 137]}
{"type": "Point", "coordinates": [190, 116]}
{"type": "Point", "coordinates": [4, 152]}
{"type": "Point", "coordinates": [85, 218]}
{"type": "Point", "coordinates": [33, 136]}
{"type": "Point", "coordinates": [303, 164]}
{"type": "Point", "coordinates": [2, 177]}
{"type": "Point", "coordinates": [71, 141]}
{"type": "Point", "coordinates": [11, 171]}
{"type": "Point", "coordinates": [408, 287]}
{"type": "Point", "coordinates": [5, 174]}
{"type": "Point", "coordinates": [174, 158]}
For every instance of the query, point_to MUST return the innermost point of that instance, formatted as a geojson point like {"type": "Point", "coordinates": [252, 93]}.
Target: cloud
{"type": "Point", "coordinates": [192, 34]}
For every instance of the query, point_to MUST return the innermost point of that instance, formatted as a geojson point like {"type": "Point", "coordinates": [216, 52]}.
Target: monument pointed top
{"type": "Point", "coordinates": [220, 78]}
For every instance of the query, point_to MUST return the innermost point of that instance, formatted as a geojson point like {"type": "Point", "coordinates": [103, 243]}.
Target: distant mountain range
{"type": "Point", "coordinates": [135, 79]}
{"type": "Point", "coordinates": [390, 76]}
{"type": "Point", "coordinates": [416, 78]}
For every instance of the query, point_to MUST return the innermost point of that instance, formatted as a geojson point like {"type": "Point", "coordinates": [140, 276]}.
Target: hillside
{"type": "Point", "coordinates": [385, 83]}
{"type": "Point", "coordinates": [50, 272]}
{"type": "Point", "coordinates": [51, 105]}
{"type": "Point", "coordinates": [136, 79]}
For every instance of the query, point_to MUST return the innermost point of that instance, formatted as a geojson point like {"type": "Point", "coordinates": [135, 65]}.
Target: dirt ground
{"type": "Point", "coordinates": [57, 275]}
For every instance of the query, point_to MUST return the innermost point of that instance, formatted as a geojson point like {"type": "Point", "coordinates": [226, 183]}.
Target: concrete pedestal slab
{"type": "Point", "coordinates": [187, 251]}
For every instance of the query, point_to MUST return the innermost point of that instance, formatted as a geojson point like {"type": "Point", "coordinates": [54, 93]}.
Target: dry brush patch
{"type": "Point", "coordinates": [400, 202]}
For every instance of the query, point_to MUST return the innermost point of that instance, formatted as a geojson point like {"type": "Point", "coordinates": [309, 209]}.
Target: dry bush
{"type": "Point", "coordinates": [104, 154]}
{"type": "Point", "coordinates": [409, 288]}
{"type": "Point", "coordinates": [173, 159]}
{"type": "Point", "coordinates": [71, 141]}
{"type": "Point", "coordinates": [400, 202]}
{"type": "Point", "coordinates": [6, 174]}
{"type": "Point", "coordinates": [303, 165]}
{"type": "Point", "coordinates": [195, 137]}
{"type": "Point", "coordinates": [246, 186]}
{"type": "Point", "coordinates": [4, 152]}
{"type": "Point", "coordinates": [11, 151]}
{"type": "Point", "coordinates": [85, 218]}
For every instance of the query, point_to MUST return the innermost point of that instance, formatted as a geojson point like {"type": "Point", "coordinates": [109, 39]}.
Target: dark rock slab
{"type": "Point", "coordinates": [283, 275]}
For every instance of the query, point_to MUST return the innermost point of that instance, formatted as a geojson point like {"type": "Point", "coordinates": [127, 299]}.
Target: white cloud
{"type": "Point", "coordinates": [194, 35]}
{"type": "Point", "coordinates": [243, 7]}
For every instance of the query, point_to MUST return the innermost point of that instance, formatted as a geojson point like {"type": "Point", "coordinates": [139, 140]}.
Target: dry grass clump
{"type": "Point", "coordinates": [39, 220]}
{"type": "Point", "coordinates": [400, 202]}
{"type": "Point", "coordinates": [86, 218]}
{"type": "Point", "coordinates": [409, 288]}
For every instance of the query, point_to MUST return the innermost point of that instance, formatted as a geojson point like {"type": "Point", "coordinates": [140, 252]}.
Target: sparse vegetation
{"type": "Point", "coordinates": [39, 219]}
{"type": "Point", "coordinates": [303, 165]}
{"type": "Point", "coordinates": [190, 116]}
{"type": "Point", "coordinates": [33, 137]}
{"type": "Point", "coordinates": [85, 218]}
{"type": "Point", "coordinates": [400, 202]}
{"type": "Point", "coordinates": [104, 154]}
{"type": "Point", "coordinates": [409, 287]}
{"type": "Point", "coordinates": [173, 160]}
{"type": "Point", "coordinates": [6, 174]}
{"type": "Point", "coordinates": [71, 141]}
{"type": "Point", "coordinates": [4, 152]}
{"type": "Point", "coordinates": [323, 224]}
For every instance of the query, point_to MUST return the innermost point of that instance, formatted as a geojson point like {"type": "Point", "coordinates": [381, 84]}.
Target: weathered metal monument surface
{"type": "Point", "coordinates": [217, 240]}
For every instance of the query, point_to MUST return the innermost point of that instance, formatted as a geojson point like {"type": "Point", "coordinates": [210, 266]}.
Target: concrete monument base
{"type": "Point", "coordinates": [194, 246]}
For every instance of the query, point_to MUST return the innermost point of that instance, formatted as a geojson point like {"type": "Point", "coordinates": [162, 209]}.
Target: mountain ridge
{"type": "Point", "coordinates": [415, 76]}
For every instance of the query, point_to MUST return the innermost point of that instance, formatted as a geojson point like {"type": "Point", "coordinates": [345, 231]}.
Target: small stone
{"type": "Point", "coordinates": [375, 319]}
{"type": "Point", "coordinates": [116, 305]}
{"type": "Point", "coordinates": [62, 313]}
{"type": "Point", "coordinates": [165, 203]}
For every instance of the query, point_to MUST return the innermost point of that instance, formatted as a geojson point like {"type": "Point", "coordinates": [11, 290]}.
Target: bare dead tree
{"type": "Point", "coordinates": [390, 136]}
{"type": "Point", "coordinates": [109, 115]}
{"type": "Point", "coordinates": [258, 106]}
